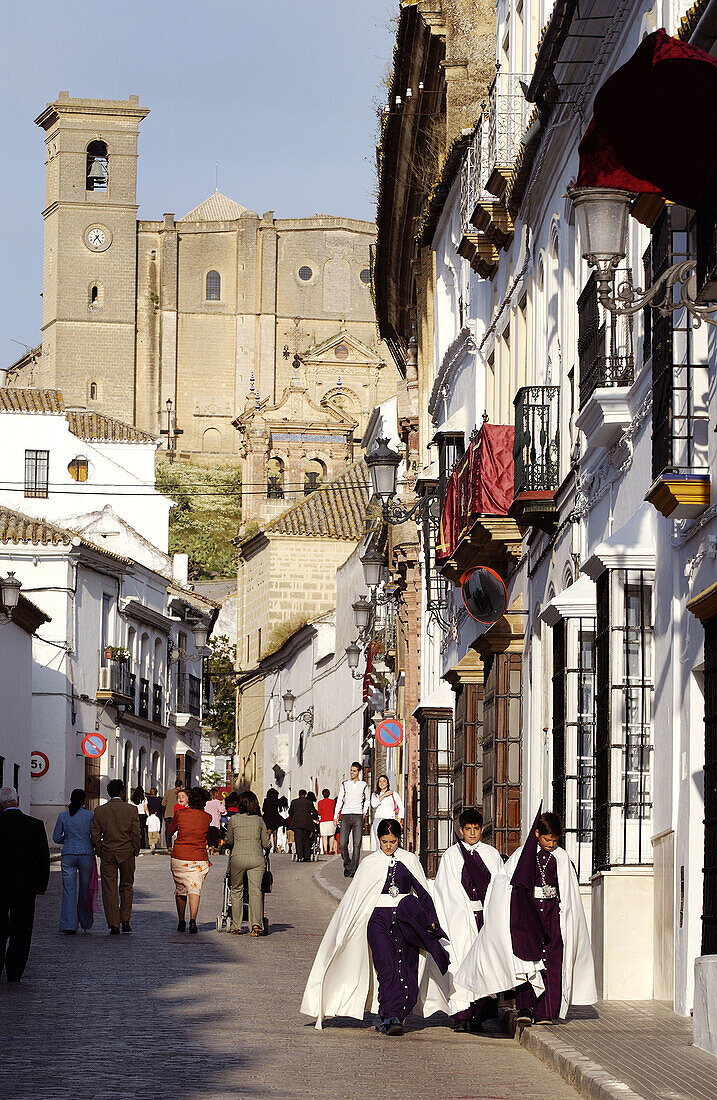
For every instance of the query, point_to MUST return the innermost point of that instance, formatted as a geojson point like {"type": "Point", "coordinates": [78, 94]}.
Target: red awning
{"type": "Point", "coordinates": [481, 485]}
{"type": "Point", "coordinates": [652, 128]}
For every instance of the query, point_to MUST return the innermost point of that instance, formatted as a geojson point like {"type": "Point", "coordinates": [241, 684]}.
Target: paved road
{"type": "Point", "coordinates": [214, 1017]}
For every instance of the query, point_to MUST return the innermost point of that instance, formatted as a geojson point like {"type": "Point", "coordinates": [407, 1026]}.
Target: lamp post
{"type": "Point", "coordinates": [9, 595]}
{"type": "Point", "coordinates": [383, 466]}
{"type": "Point", "coordinates": [601, 214]}
{"type": "Point", "coordinates": [363, 613]}
{"type": "Point", "coordinates": [171, 432]}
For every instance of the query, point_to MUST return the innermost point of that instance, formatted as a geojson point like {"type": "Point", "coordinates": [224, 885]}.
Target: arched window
{"type": "Point", "coordinates": [96, 172]}
{"type": "Point", "coordinates": [314, 474]}
{"type": "Point", "coordinates": [142, 769]}
{"type": "Point", "coordinates": [275, 479]}
{"type": "Point", "coordinates": [127, 765]}
{"type": "Point", "coordinates": [93, 391]}
{"type": "Point", "coordinates": [78, 468]}
{"type": "Point", "coordinates": [214, 287]}
{"type": "Point", "coordinates": [155, 770]}
{"type": "Point", "coordinates": [96, 296]}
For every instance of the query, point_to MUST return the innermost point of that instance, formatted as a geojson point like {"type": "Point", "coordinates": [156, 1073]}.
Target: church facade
{"type": "Point", "coordinates": [184, 325]}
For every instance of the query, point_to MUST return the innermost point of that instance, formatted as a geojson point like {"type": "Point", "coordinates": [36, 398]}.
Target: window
{"type": "Point", "coordinates": [275, 479]}
{"type": "Point", "coordinates": [105, 628]}
{"type": "Point", "coordinates": [305, 273]}
{"type": "Point", "coordinates": [436, 799]}
{"type": "Point", "coordinates": [623, 711]}
{"type": "Point", "coordinates": [468, 748]}
{"type": "Point", "coordinates": [92, 782]}
{"type": "Point", "coordinates": [78, 468]}
{"type": "Point", "coordinates": [93, 391]}
{"type": "Point", "coordinates": [341, 351]}
{"type": "Point", "coordinates": [214, 287]}
{"type": "Point", "coordinates": [365, 276]}
{"type": "Point", "coordinates": [37, 470]}
{"type": "Point", "coordinates": [96, 173]}
{"type": "Point", "coordinates": [451, 448]}
{"type": "Point", "coordinates": [573, 736]}
{"type": "Point", "coordinates": [502, 755]}
{"type": "Point", "coordinates": [16, 776]}
{"type": "Point", "coordinates": [313, 476]}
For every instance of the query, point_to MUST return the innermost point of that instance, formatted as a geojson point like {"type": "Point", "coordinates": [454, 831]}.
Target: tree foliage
{"type": "Point", "coordinates": [222, 712]}
{"type": "Point", "coordinates": [206, 517]}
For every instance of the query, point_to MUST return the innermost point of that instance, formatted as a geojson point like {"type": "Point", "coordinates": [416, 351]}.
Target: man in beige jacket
{"type": "Point", "coordinates": [116, 840]}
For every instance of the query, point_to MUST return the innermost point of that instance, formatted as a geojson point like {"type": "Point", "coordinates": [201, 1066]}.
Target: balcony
{"type": "Point", "coordinates": [143, 710]}
{"type": "Point", "coordinates": [536, 455]}
{"type": "Point", "coordinates": [114, 683]}
{"type": "Point", "coordinates": [607, 367]}
{"type": "Point", "coordinates": [507, 118]}
{"type": "Point", "coordinates": [680, 430]}
{"type": "Point", "coordinates": [194, 694]}
{"type": "Point", "coordinates": [157, 708]}
{"type": "Point", "coordinates": [131, 709]}
{"type": "Point", "coordinates": [475, 527]}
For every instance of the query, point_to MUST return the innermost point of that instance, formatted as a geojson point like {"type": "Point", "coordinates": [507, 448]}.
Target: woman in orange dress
{"type": "Point", "coordinates": [190, 861]}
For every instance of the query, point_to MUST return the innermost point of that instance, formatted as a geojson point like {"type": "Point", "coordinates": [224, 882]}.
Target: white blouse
{"type": "Point", "coordinates": [390, 806]}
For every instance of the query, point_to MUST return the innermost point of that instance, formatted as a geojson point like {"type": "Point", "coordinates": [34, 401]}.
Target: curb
{"type": "Point", "coordinates": [586, 1076]}
{"type": "Point", "coordinates": [326, 888]}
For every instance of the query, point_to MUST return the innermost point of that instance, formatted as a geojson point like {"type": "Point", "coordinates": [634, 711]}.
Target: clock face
{"type": "Point", "coordinates": [98, 238]}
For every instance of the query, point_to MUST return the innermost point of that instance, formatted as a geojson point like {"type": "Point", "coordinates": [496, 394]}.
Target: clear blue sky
{"type": "Point", "coordinates": [281, 93]}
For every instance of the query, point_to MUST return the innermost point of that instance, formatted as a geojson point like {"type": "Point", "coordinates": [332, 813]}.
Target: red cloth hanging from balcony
{"type": "Point", "coordinates": [481, 485]}
{"type": "Point", "coordinates": [650, 130]}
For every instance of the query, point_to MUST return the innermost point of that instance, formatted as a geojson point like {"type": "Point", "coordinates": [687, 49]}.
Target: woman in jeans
{"type": "Point", "coordinates": [72, 831]}
{"type": "Point", "coordinates": [248, 838]}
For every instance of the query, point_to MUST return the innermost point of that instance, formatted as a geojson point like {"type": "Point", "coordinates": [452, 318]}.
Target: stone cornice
{"type": "Point", "coordinates": [704, 605]}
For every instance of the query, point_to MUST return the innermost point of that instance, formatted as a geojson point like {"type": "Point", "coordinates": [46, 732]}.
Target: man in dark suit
{"type": "Point", "coordinates": [115, 838]}
{"type": "Point", "coordinates": [303, 818]}
{"type": "Point", "coordinates": [25, 863]}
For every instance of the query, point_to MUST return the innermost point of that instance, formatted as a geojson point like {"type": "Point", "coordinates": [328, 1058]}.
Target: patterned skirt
{"type": "Point", "coordinates": [189, 875]}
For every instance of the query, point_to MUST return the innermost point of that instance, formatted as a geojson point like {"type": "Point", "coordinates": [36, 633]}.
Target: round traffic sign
{"type": "Point", "coordinates": [389, 733]}
{"type": "Point", "coordinates": [39, 764]}
{"type": "Point", "coordinates": [94, 744]}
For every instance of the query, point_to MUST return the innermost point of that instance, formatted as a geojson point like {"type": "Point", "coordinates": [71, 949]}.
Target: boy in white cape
{"type": "Point", "coordinates": [535, 939]}
{"type": "Point", "coordinates": [372, 953]}
{"type": "Point", "coordinates": [462, 889]}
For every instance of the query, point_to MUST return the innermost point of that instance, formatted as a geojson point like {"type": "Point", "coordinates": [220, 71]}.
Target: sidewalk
{"type": "Point", "coordinates": [634, 1050]}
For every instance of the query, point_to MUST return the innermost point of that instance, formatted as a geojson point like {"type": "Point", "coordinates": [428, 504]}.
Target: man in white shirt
{"type": "Point", "coordinates": [352, 806]}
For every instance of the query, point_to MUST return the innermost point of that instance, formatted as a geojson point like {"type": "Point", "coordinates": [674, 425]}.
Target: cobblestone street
{"type": "Point", "coordinates": [212, 1017]}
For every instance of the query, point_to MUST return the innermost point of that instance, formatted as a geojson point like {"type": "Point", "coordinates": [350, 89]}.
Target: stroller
{"type": "Point", "coordinates": [224, 919]}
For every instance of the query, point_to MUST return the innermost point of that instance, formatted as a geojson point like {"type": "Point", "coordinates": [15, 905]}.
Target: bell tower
{"type": "Point", "coordinates": [89, 271]}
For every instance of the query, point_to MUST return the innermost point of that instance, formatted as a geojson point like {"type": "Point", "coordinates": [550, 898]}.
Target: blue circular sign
{"type": "Point", "coordinates": [389, 733]}
{"type": "Point", "coordinates": [93, 744]}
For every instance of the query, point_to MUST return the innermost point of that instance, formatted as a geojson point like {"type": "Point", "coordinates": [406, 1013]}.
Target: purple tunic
{"type": "Point", "coordinates": [395, 936]}
{"type": "Point", "coordinates": [475, 882]}
{"type": "Point", "coordinates": [530, 915]}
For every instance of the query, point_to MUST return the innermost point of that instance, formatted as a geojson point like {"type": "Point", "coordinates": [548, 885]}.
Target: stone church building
{"type": "Point", "coordinates": [240, 334]}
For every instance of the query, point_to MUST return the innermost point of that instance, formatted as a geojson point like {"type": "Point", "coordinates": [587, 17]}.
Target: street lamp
{"type": "Point", "coordinates": [9, 595]}
{"type": "Point", "coordinates": [213, 740]}
{"type": "Point", "coordinates": [363, 612]}
{"type": "Point", "coordinates": [200, 634]}
{"type": "Point", "coordinates": [601, 214]}
{"type": "Point", "coordinates": [383, 466]}
{"type": "Point", "coordinates": [288, 699]}
{"type": "Point", "coordinates": [373, 562]}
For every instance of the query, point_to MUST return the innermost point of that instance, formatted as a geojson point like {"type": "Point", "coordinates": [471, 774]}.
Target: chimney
{"type": "Point", "coordinates": [180, 568]}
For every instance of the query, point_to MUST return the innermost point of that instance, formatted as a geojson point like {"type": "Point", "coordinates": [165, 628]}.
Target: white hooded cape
{"type": "Point", "coordinates": [343, 981]}
{"type": "Point", "coordinates": [456, 916]}
{"type": "Point", "coordinates": [491, 967]}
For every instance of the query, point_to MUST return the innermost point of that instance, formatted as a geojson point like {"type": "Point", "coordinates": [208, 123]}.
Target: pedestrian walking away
{"type": "Point", "coordinates": [116, 840]}
{"type": "Point", "coordinates": [215, 809]}
{"type": "Point", "coordinates": [190, 860]}
{"type": "Point", "coordinates": [169, 801]}
{"type": "Point", "coordinates": [25, 860]}
{"type": "Point", "coordinates": [387, 804]}
{"type": "Point", "coordinates": [154, 828]}
{"type": "Point", "coordinates": [248, 839]}
{"type": "Point", "coordinates": [273, 818]}
{"type": "Point", "coordinates": [303, 818]}
{"type": "Point", "coordinates": [461, 891]}
{"type": "Point", "coordinates": [77, 864]}
{"type": "Point", "coordinates": [535, 939]}
{"type": "Point", "coordinates": [351, 808]}
{"type": "Point", "coordinates": [326, 807]}
{"type": "Point", "coordinates": [383, 935]}
{"type": "Point", "coordinates": [139, 800]}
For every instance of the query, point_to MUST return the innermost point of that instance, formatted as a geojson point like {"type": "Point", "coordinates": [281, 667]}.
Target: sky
{"type": "Point", "coordinates": [282, 94]}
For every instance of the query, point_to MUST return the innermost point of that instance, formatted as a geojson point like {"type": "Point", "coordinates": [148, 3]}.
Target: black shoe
{"type": "Point", "coordinates": [461, 1025]}
{"type": "Point", "coordinates": [475, 1027]}
{"type": "Point", "coordinates": [524, 1016]}
{"type": "Point", "coordinates": [114, 931]}
{"type": "Point", "coordinates": [394, 1026]}
{"type": "Point", "coordinates": [69, 931]}
{"type": "Point", "coordinates": [182, 926]}
{"type": "Point", "coordinates": [126, 927]}
{"type": "Point", "coordinates": [347, 874]}
{"type": "Point", "coordinates": [193, 926]}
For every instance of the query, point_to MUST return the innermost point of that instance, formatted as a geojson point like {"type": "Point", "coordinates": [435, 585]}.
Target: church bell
{"type": "Point", "coordinates": [96, 172]}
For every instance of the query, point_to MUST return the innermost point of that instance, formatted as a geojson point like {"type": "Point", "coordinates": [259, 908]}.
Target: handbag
{"type": "Point", "coordinates": [267, 879]}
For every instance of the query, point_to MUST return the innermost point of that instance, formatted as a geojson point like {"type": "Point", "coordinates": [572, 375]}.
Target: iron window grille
{"type": "Point", "coordinates": [132, 692]}
{"type": "Point", "coordinates": [709, 908]}
{"type": "Point", "coordinates": [144, 698]}
{"type": "Point", "coordinates": [605, 352]}
{"type": "Point", "coordinates": [436, 796]}
{"type": "Point", "coordinates": [274, 487]}
{"type": "Point", "coordinates": [502, 751]}
{"type": "Point", "coordinates": [194, 694]}
{"type": "Point", "coordinates": [213, 287]}
{"type": "Point", "coordinates": [436, 583]}
{"type": "Point", "coordinates": [623, 731]}
{"type": "Point", "coordinates": [574, 736]}
{"type": "Point", "coordinates": [37, 473]}
{"type": "Point", "coordinates": [157, 710]}
{"type": "Point", "coordinates": [468, 748]}
{"type": "Point", "coordinates": [679, 387]}
{"type": "Point", "coordinates": [537, 439]}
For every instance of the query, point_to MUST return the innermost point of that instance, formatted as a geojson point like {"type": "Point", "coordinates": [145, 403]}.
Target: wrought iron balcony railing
{"type": "Point", "coordinates": [605, 349]}
{"type": "Point", "coordinates": [114, 679]}
{"type": "Point", "coordinates": [194, 694]}
{"type": "Point", "coordinates": [537, 439]}
{"type": "Point", "coordinates": [507, 118]}
{"type": "Point", "coordinates": [474, 174]}
{"type": "Point", "coordinates": [133, 692]}
{"type": "Point", "coordinates": [157, 709]}
{"type": "Point", "coordinates": [144, 698]}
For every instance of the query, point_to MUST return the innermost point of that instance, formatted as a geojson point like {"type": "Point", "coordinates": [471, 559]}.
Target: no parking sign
{"type": "Point", "coordinates": [94, 745]}
{"type": "Point", "coordinates": [389, 733]}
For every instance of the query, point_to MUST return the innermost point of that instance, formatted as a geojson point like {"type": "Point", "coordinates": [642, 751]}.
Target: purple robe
{"type": "Point", "coordinates": [395, 937]}
{"type": "Point", "coordinates": [535, 928]}
{"type": "Point", "coordinates": [475, 880]}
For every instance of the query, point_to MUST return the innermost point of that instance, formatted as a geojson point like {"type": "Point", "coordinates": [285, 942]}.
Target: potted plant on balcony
{"type": "Point", "coordinates": [117, 653]}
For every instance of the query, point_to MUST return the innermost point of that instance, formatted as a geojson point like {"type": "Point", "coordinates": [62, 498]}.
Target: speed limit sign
{"type": "Point", "coordinates": [39, 764]}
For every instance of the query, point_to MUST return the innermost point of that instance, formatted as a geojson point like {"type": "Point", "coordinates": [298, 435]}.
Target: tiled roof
{"type": "Point", "coordinates": [30, 400]}
{"type": "Point", "coordinates": [18, 528]}
{"type": "Point", "coordinates": [93, 427]}
{"type": "Point", "coordinates": [336, 511]}
{"type": "Point", "coordinates": [217, 208]}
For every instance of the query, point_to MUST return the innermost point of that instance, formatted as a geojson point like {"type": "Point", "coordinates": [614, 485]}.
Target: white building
{"type": "Point", "coordinates": [17, 627]}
